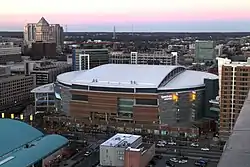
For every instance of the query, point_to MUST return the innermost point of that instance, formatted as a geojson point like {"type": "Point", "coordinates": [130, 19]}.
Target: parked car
{"type": "Point", "coordinates": [205, 149]}
{"type": "Point", "coordinates": [169, 164]}
{"type": "Point", "coordinates": [194, 145]}
{"type": "Point", "coordinates": [171, 143]}
{"type": "Point", "coordinates": [175, 160]}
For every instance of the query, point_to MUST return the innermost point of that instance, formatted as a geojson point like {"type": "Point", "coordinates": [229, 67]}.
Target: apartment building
{"type": "Point", "coordinates": [235, 84]}
{"type": "Point", "coordinates": [43, 32]}
{"type": "Point", "coordinates": [14, 90]}
{"type": "Point", "coordinates": [157, 57]}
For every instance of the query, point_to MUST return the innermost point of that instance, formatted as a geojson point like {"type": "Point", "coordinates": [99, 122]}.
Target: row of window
{"type": "Point", "coordinates": [106, 89]}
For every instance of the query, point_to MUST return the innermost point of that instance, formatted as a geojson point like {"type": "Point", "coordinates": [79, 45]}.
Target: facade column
{"type": "Point", "coordinates": [35, 102]}
{"type": "Point", "coordinates": [47, 94]}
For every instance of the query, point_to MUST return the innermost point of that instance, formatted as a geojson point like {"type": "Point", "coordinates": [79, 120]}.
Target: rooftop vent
{"type": "Point", "coordinates": [118, 138]}
{"type": "Point", "coordinates": [29, 145]}
{"type": "Point", "coordinates": [132, 82]}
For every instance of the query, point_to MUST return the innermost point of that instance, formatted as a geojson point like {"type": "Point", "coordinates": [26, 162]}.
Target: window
{"type": "Point", "coordinates": [120, 152]}
{"type": "Point", "coordinates": [83, 87]}
{"type": "Point", "coordinates": [80, 97]}
{"type": "Point", "coordinates": [121, 157]}
{"type": "Point", "coordinates": [146, 90]}
{"type": "Point", "coordinates": [126, 90]}
{"type": "Point", "coordinates": [152, 102]}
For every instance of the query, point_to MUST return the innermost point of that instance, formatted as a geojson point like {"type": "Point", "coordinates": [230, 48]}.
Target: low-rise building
{"type": "Point", "coordinates": [126, 150]}
{"type": "Point", "coordinates": [15, 91]}
{"type": "Point", "coordinates": [10, 54]}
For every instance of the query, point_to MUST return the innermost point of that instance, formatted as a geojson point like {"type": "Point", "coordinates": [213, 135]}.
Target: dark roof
{"type": "Point", "coordinates": [22, 145]}
{"type": "Point", "coordinates": [237, 149]}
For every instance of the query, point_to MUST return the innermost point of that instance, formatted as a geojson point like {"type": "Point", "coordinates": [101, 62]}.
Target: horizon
{"type": "Point", "coordinates": [144, 15]}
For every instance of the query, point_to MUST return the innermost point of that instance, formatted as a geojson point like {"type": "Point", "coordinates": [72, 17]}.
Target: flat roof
{"type": "Point", "coordinates": [48, 88]}
{"type": "Point", "coordinates": [135, 76]}
{"type": "Point", "coordinates": [9, 78]}
{"type": "Point", "coordinates": [121, 140]}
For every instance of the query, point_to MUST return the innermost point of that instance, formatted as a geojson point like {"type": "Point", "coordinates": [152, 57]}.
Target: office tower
{"type": "Point", "coordinates": [204, 51]}
{"type": "Point", "coordinates": [84, 59]}
{"type": "Point", "coordinates": [235, 83]}
{"type": "Point", "coordinates": [43, 32]}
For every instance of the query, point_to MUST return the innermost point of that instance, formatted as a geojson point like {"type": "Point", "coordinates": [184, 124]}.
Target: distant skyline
{"type": "Point", "coordinates": [142, 15]}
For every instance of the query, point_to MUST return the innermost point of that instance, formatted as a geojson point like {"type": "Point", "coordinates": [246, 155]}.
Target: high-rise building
{"type": "Point", "coordinates": [43, 32]}
{"type": "Point", "coordinates": [235, 84]}
{"type": "Point", "coordinates": [204, 51]}
{"type": "Point", "coordinates": [84, 59]}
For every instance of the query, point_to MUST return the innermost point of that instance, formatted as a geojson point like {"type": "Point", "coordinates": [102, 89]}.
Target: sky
{"type": "Point", "coordinates": [130, 15]}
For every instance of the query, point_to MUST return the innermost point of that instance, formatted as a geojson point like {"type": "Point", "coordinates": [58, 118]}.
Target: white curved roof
{"type": "Point", "coordinates": [134, 76]}
{"type": "Point", "coordinates": [188, 79]}
{"type": "Point", "coordinates": [48, 88]}
{"type": "Point", "coordinates": [68, 77]}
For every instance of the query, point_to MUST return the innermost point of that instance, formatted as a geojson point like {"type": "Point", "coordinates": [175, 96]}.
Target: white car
{"type": "Point", "coordinates": [162, 141]}
{"type": "Point", "coordinates": [160, 145]}
{"type": "Point", "coordinates": [205, 149]}
{"type": "Point", "coordinates": [172, 143]}
{"type": "Point", "coordinates": [174, 160]}
{"type": "Point", "coordinates": [87, 154]}
{"type": "Point", "coordinates": [182, 161]}
{"type": "Point", "coordinates": [194, 144]}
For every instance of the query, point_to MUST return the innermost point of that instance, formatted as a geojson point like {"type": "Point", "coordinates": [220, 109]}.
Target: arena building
{"type": "Point", "coordinates": [152, 98]}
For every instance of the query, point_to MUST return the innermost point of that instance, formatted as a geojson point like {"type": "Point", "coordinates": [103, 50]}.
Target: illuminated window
{"type": "Point", "coordinates": [193, 96]}
{"type": "Point", "coordinates": [175, 97]}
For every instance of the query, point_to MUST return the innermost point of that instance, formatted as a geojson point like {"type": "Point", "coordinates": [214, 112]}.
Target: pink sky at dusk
{"type": "Point", "coordinates": [17, 13]}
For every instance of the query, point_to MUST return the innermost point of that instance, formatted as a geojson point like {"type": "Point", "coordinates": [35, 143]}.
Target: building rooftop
{"type": "Point", "coordinates": [137, 76]}
{"type": "Point", "coordinates": [22, 145]}
{"type": "Point", "coordinates": [121, 140]}
{"type": "Point", "coordinates": [188, 79]}
{"type": "Point", "coordinates": [42, 22]}
{"type": "Point", "coordinates": [237, 150]}
{"type": "Point", "coordinates": [48, 88]}
{"type": "Point", "coordinates": [12, 78]}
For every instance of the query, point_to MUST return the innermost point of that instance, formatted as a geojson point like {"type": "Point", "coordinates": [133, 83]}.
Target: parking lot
{"type": "Point", "coordinates": [190, 163]}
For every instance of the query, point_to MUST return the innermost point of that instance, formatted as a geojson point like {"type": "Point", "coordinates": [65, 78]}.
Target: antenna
{"type": "Point", "coordinates": [132, 29]}
{"type": "Point", "coordinates": [114, 33]}
{"type": "Point", "coordinates": [66, 27]}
